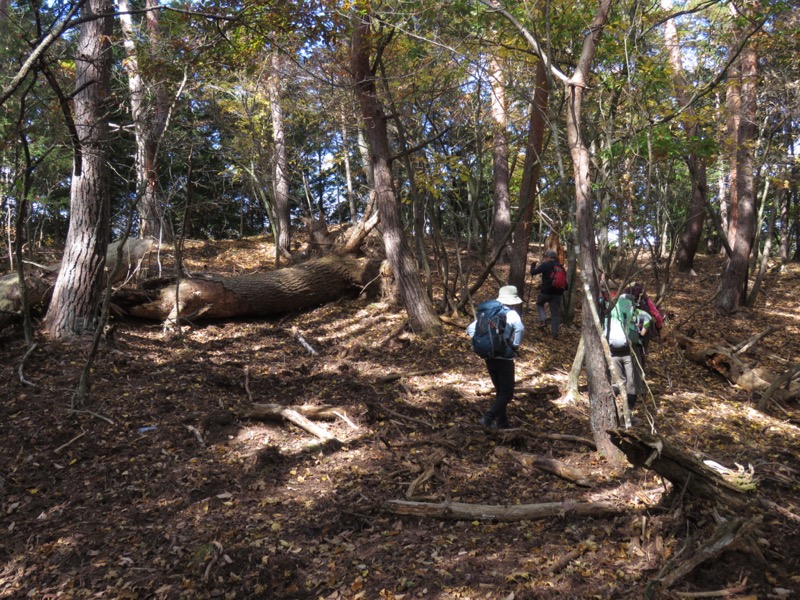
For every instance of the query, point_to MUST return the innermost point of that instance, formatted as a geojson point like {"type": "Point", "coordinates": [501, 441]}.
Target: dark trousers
{"type": "Point", "coordinates": [502, 373]}
{"type": "Point", "coordinates": [554, 300]}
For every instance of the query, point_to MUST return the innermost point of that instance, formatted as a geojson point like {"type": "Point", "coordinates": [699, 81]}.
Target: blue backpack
{"type": "Point", "coordinates": [491, 339]}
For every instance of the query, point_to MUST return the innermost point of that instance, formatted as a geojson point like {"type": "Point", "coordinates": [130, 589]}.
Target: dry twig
{"type": "Point", "coordinates": [22, 379]}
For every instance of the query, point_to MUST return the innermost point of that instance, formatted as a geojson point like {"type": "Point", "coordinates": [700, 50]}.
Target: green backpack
{"type": "Point", "coordinates": [621, 324]}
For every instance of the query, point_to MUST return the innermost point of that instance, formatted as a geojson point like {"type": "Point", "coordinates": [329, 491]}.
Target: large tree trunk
{"type": "Point", "coordinates": [258, 294]}
{"type": "Point", "coordinates": [734, 278]}
{"type": "Point", "coordinates": [418, 305]}
{"type": "Point", "coordinates": [280, 170]}
{"type": "Point", "coordinates": [351, 197]}
{"type": "Point", "coordinates": [501, 222]}
{"type": "Point", "coordinates": [693, 228]}
{"type": "Point", "coordinates": [733, 103]}
{"type": "Point", "coordinates": [530, 176]}
{"type": "Point", "coordinates": [77, 292]}
{"type": "Point", "coordinates": [149, 121]}
{"type": "Point", "coordinates": [602, 407]}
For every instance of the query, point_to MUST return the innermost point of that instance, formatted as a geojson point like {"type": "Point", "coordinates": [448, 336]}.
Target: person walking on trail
{"type": "Point", "coordinates": [549, 293]}
{"type": "Point", "coordinates": [644, 303]}
{"type": "Point", "coordinates": [507, 324]}
{"type": "Point", "coordinates": [626, 327]}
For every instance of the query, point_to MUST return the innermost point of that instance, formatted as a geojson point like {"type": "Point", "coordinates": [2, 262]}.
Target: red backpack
{"type": "Point", "coordinates": [558, 278]}
{"type": "Point", "coordinates": [657, 318]}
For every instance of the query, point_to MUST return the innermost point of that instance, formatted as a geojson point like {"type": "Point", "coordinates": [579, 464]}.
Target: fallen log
{"type": "Point", "coordinates": [509, 512]}
{"type": "Point", "coordinates": [262, 294]}
{"type": "Point", "coordinates": [390, 377]}
{"type": "Point", "coordinates": [679, 467]}
{"type": "Point", "coordinates": [39, 279]}
{"type": "Point", "coordinates": [726, 363]}
{"type": "Point", "coordinates": [565, 437]}
{"type": "Point", "coordinates": [782, 380]}
{"type": "Point", "coordinates": [549, 465]}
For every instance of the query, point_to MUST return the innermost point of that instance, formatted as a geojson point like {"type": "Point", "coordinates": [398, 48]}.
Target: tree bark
{"type": "Point", "coordinates": [280, 171]}
{"type": "Point", "coordinates": [693, 227]}
{"type": "Point", "coordinates": [733, 104]}
{"type": "Point", "coordinates": [502, 198]}
{"type": "Point", "coordinates": [76, 297]}
{"type": "Point", "coordinates": [149, 121]}
{"type": "Point", "coordinates": [734, 278]}
{"type": "Point", "coordinates": [602, 406]}
{"type": "Point", "coordinates": [418, 305]}
{"type": "Point", "coordinates": [530, 176]}
{"type": "Point", "coordinates": [260, 294]}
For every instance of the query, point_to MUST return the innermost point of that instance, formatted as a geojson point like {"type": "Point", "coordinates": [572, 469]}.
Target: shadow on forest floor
{"type": "Point", "coordinates": [171, 494]}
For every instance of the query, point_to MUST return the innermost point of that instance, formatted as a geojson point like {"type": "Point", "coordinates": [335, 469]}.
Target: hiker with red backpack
{"type": "Point", "coordinates": [554, 284]}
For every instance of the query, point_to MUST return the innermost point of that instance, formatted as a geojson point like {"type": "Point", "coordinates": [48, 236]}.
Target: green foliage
{"type": "Point", "coordinates": [435, 63]}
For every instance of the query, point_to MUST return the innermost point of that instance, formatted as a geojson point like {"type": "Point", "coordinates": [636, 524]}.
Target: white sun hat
{"type": "Point", "coordinates": [508, 295]}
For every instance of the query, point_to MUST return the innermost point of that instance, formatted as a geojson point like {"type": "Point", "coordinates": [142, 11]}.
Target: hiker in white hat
{"type": "Point", "coordinates": [496, 335]}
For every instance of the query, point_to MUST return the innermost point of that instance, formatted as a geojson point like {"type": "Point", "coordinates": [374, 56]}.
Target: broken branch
{"type": "Point", "coordinates": [489, 512]}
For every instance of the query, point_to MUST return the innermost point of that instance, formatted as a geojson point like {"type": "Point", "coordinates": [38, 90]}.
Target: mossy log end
{"type": "Point", "coordinates": [682, 469]}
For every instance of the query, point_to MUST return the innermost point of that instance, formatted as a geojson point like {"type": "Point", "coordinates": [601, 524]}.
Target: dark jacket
{"type": "Point", "coordinates": [546, 269]}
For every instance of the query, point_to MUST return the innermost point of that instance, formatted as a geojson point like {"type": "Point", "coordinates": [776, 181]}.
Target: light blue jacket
{"type": "Point", "coordinates": [514, 327]}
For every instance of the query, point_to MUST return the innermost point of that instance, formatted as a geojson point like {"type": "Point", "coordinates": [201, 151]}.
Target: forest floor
{"type": "Point", "coordinates": [161, 489]}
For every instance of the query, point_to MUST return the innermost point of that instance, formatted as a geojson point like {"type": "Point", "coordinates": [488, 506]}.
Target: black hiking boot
{"type": "Point", "coordinates": [487, 422]}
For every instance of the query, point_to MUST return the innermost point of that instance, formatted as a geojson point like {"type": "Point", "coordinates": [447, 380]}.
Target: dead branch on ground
{"type": "Point", "coordinates": [726, 363]}
{"type": "Point", "coordinates": [299, 415]}
{"type": "Point", "coordinates": [427, 472]}
{"type": "Point", "coordinates": [728, 534]}
{"type": "Point", "coordinates": [22, 379]}
{"type": "Point", "coordinates": [562, 562]}
{"type": "Point", "coordinates": [395, 376]}
{"type": "Point", "coordinates": [265, 412]}
{"type": "Point", "coordinates": [549, 465]}
{"type": "Point", "coordinates": [510, 512]}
